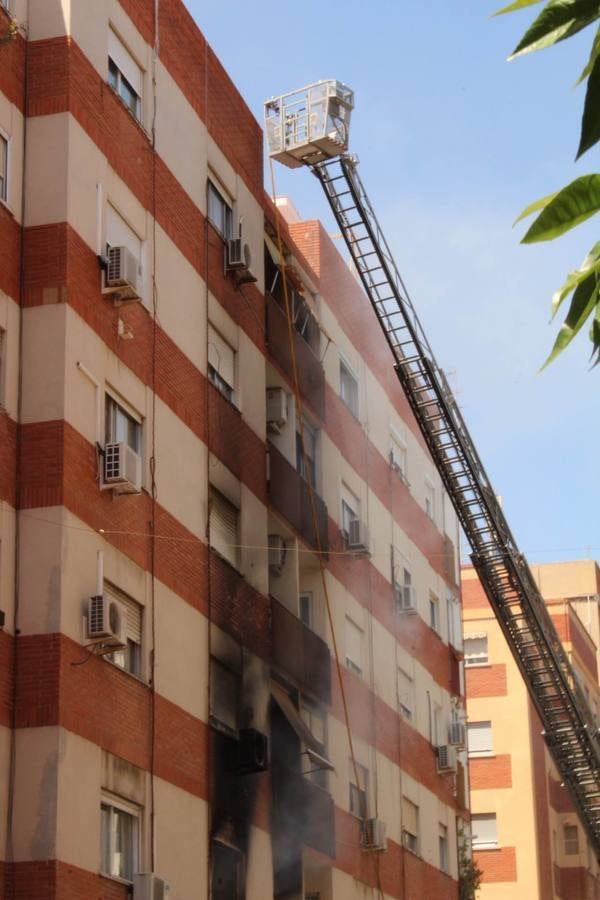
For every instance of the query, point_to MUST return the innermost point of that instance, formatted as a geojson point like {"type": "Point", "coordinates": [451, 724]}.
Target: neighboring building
{"type": "Point", "coordinates": [169, 699]}
{"type": "Point", "coordinates": [526, 836]}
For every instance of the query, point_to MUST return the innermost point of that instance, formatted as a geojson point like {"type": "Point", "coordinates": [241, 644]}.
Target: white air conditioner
{"type": "Point", "coordinates": [446, 758]}
{"type": "Point", "coordinates": [457, 734]}
{"type": "Point", "coordinates": [406, 597]}
{"type": "Point", "coordinates": [277, 409]}
{"type": "Point", "coordinates": [277, 552]}
{"type": "Point", "coordinates": [106, 621]}
{"type": "Point", "coordinates": [148, 886]}
{"type": "Point", "coordinates": [122, 469]}
{"type": "Point", "coordinates": [122, 274]}
{"type": "Point", "coordinates": [358, 538]}
{"type": "Point", "coordinates": [238, 260]}
{"type": "Point", "coordinates": [373, 836]}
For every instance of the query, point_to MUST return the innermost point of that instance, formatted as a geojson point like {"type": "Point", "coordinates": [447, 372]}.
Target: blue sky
{"type": "Point", "coordinates": [453, 142]}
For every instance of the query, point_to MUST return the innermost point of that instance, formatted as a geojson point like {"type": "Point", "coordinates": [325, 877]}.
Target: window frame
{"type": "Point", "coordinates": [235, 559]}
{"type": "Point", "coordinates": [218, 722]}
{"type": "Point", "coordinates": [410, 840]}
{"type": "Point", "coordinates": [484, 845]}
{"type": "Point", "coordinates": [406, 711]}
{"type": "Point", "coordinates": [310, 446]}
{"type": "Point", "coordinates": [120, 805]}
{"type": "Point", "coordinates": [355, 666]}
{"type": "Point", "coordinates": [132, 654]}
{"type": "Point", "coordinates": [310, 713]}
{"type": "Point", "coordinates": [350, 510]}
{"type": "Point", "coordinates": [348, 378]}
{"type": "Point", "coordinates": [5, 176]}
{"type": "Point", "coordinates": [487, 751]}
{"type": "Point", "coordinates": [3, 356]}
{"type": "Point", "coordinates": [310, 606]}
{"type": "Point", "coordinates": [434, 613]}
{"type": "Point", "coordinates": [477, 659]}
{"type": "Point", "coordinates": [358, 798]}
{"type": "Point", "coordinates": [443, 847]}
{"type": "Point", "coordinates": [215, 373]}
{"type": "Point", "coordinates": [119, 405]}
{"type": "Point", "coordinates": [225, 227]}
{"type": "Point", "coordinates": [571, 843]}
{"type": "Point", "coordinates": [121, 77]}
{"type": "Point", "coordinates": [399, 460]}
{"type": "Point", "coordinates": [429, 499]}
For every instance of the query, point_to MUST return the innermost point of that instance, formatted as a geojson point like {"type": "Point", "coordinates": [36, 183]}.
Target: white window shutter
{"type": "Point", "coordinates": [119, 234]}
{"type": "Point", "coordinates": [224, 527]}
{"type": "Point", "coordinates": [125, 62]}
{"type": "Point", "coordinates": [221, 356]}
{"type": "Point", "coordinates": [410, 816]}
{"type": "Point", "coordinates": [479, 737]}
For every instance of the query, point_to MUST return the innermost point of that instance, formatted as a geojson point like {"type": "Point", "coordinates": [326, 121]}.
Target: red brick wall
{"type": "Point", "coordinates": [486, 681]}
{"type": "Point", "coordinates": [497, 865]}
{"type": "Point", "coordinates": [570, 630]}
{"type": "Point", "coordinates": [542, 816]}
{"type": "Point", "coordinates": [55, 880]}
{"type": "Point", "coordinates": [8, 458]}
{"type": "Point", "coordinates": [473, 595]}
{"type": "Point", "coordinates": [10, 252]}
{"type": "Point", "coordinates": [6, 678]}
{"type": "Point", "coordinates": [12, 65]}
{"type": "Point", "coordinates": [490, 772]}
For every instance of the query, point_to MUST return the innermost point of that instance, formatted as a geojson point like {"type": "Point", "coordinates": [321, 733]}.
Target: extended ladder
{"type": "Point", "coordinates": [570, 732]}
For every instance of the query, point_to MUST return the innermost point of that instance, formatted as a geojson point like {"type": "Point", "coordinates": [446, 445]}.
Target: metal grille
{"type": "Point", "coordinates": [569, 727]}
{"type": "Point", "coordinates": [113, 466]}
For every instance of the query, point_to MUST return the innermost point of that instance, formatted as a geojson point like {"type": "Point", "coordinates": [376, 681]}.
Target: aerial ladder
{"type": "Point", "coordinates": [310, 127]}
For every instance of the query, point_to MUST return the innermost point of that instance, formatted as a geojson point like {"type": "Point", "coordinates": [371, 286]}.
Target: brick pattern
{"type": "Point", "coordinates": [571, 631]}
{"type": "Point", "coordinates": [58, 684]}
{"type": "Point", "coordinates": [398, 872]}
{"type": "Point", "coordinates": [490, 772]}
{"type": "Point", "coordinates": [559, 797]}
{"type": "Point", "coordinates": [8, 458]}
{"type": "Point", "coordinates": [55, 880]}
{"type": "Point", "coordinates": [486, 681]}
{"type": "Point", "coordinates": [497, 865]}
{"type": "Point", "coordinates": [10, 251]}
{"type": "Point", "coordinates": [237, 608]}
{"type": "Point", "coordinates": [473, 595]}
{"type": "Point", "coordinates": [237, 445]}
{"type": "Point", "coordinates": [6, 679]}
{"type": "Point", "coordinates": [378, 724]}
{"type": "Point", "coordinates": [575, 883]}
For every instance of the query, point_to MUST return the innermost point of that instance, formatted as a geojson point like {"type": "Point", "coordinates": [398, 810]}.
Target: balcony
{"type": "Point", "coordinates": [289, 496]}
{"type": "Point", "coordinates": [310, 371]}
{"type": "Point", "coordinates": [300, 653]}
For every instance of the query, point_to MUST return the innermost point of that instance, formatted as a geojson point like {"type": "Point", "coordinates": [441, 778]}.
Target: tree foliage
{"type": "Point", "coordinates": [579, 200]}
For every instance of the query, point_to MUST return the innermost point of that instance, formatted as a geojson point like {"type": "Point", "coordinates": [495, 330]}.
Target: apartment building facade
{"type": "Point", "coordinates": [527, 837]}
{"type": "Point", "coordinates": [224, 550]}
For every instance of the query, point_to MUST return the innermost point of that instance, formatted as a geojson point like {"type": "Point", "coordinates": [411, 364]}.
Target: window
{"type": "Point", "coordinates": [3, 168]}
{"type": "Point", "coordinates": [224, 527]}
{"type": "Point", "coordinates": [304, 321]}
{"type": "Point", "coordinates": [119, 839]}
{"type": "Point", "coordinates": [434, 612]}
{"type": "Point", "coordinates": [485, 831]}
{"type": "Point", "coordinates": [454, 622]}
{"type": "Point", "coordinates": [226, 872]}
{"type": "Point", "coordinates": [349, 387]}
{"type": "Point", "coordinates": [220, 213]}
{"type": "Point", "coordinates": [476, 649]}
{"type": "Point", "coordinates": [124, 75]}
{"type": "Point", "coordinates": [406, 694]}
{"type": "Point", "coordinates": [306, 608]}
{"type": "Point", "coordinates": [121, 426]}
{"type": "Point", "coordinates": [310, 449]}
{"type": "Point", "coordinates": [316, 722]}
{"type": "Point", "coordinates": [359, 793]}
{"type": "Point", "coordinates": [410, 825]}
{"type": "Point", "coordinates": [429, 498]}
{"type": "Point", "coordinates": [354, 647]}
{"type": "Point", "coordinates": [129, 657]}
{"type": "Point", "coordinates": [221, 364]}
{"type": "Point", "coordinates": [398, 456]}
{"type": "Point", "coordinates": [437, 737]}
{"type": "Point", "coordinates": [479, 738]}
{"type": "Point", "coordinates": [571, 836]}
{"type": "Point", "coordinates": [224, 692]}
{"type": "Point", "coordinates": [350, 510]}
{"type": "Point", "coordinates": [443, 847]}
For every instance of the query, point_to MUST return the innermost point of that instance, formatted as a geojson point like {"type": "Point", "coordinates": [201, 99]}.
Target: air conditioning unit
{"type": "Point", "coordinates": [358, 538]}
{"type": "Point", "coordinates": [457, 734]}
{"type": "Point", "coordinates": [277, 551]}
{"type": "Point", "coordinates": [148, 886]}
{"type": "Point", "coordinates": [238, 259]}
{"type": "Point", "coordinates": [106, 621]}
{"type": "Point", "coordinates": [122, 469]}
{"type": "Point", "coordinates": [446, 758]}
{"type": "Point", "coordinates": [406, 597]}
{"type": "Point", "coordinates": [373, 835]}
{"type": "Point", "coordinates": [122, 274]}
{"type": "Point", "coordinates": [253, 752]}
{"type": "Point", "coordinates": [277, 409]}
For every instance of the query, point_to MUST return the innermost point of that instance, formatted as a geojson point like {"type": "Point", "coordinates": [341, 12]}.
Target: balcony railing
{"type": "Point", "coordinates": [300, 653]}
{"type": "Point", "coordinates": [310, 371]}
{"type": "Point", "coordinates": [289, 495]}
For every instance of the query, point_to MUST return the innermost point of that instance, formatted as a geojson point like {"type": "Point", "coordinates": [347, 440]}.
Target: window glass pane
{"type": "Point", "coordinates": [306, 609]}
{"type": "Point", "coordinates": [405, 694]}
{"type": "Point", "coordinates": [354, 647]}
{"type": "Point", "coordinates": [223, 695]}
{"type": "Point", "coordinates": [571, 839]}
{"type": "Point", "coordinates": [124, 832]}
{"type": "Point", "coordinates": [120, 426]}
{"type": "Point", "coordinates": [310, 442]}
{"type": "Point", "coordinates": [348, 388]}
{"type": "Point", "coordinates": [221, 358]}
{"type": "Point", "coordinates": [358, 793]}
{"type": "Point", "coordinates": [125, 63]}
{"type": "Point", "coordinates": [219, 212]}
{"type": "Point", "coordinates": [113, 74]}
{"type": "Point", "coordinates": [410, 825]}
{"type": "Point", "coordinates": [105, 839]}
{"type": "Point", "coordinates": [443, 847]}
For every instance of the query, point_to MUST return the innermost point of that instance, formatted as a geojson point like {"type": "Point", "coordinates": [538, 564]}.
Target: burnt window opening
{"type": "Point", "coordinates": [303, 319]}
{"type": "Point", "coordinates": [315, 719]}
{"type": "Point", "coordinates": [226, 881]}
{"type": "Point", "coordinates": [358, 792]}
